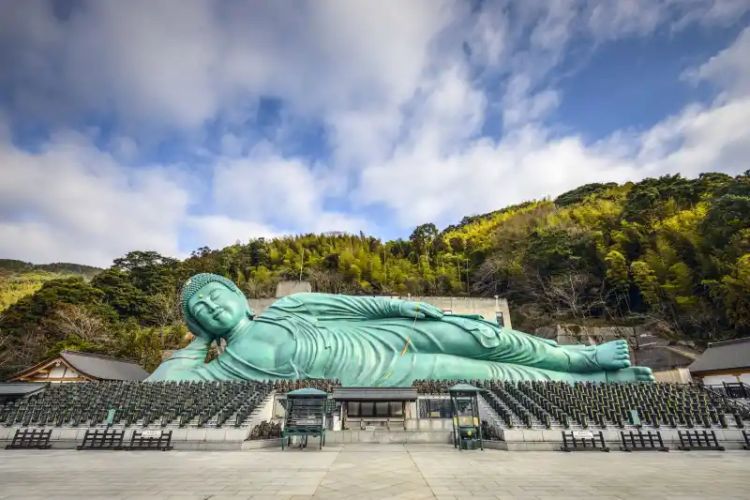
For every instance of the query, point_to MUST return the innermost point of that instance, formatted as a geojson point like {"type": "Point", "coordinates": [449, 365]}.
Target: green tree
{"type": "Point", "coordinates": [736, 294]}
{"type": "Point", "coordinates": [422, 238]}
{"type": "Point", "coordinates": [645, 279]}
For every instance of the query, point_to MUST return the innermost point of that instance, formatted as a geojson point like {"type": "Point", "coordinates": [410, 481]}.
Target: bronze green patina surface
{"type": "Point", "coordinates": [370, 341]}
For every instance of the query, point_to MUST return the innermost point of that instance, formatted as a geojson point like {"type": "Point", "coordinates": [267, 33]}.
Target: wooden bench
{"type": "Point", "coordinates": [30, 439]}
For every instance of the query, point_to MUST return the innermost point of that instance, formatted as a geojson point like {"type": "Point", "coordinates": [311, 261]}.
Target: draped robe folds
{"type": "Point", "coordinates": [365, 341]}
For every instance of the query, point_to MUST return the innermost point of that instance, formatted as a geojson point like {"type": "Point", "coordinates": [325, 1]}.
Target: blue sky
{"type": "Point", "coordinates": [172, 125]}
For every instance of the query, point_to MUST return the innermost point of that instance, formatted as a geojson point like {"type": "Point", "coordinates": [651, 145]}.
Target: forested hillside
{"type": "Point", "coordinates": [672, 249]}
{"type": "Point", "coordinates": [19, 279]}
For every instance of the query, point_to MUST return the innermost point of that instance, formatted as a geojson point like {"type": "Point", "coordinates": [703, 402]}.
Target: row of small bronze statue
{"type": "Point", "coordinates": [434, 386]}
{"type": "Point", "coordinates": [326, 385]}
{"type": "Point", "coordinates": [266, 430]}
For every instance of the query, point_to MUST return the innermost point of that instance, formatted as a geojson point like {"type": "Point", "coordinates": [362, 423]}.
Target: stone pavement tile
{"type": "Point", "coordinates": [704, 497]}
{"type": "Point", "coordinates": [228, 497]}
{"type": "Point", "coordinates": [372, 471]}
{"type": "Point", "coordinates": [26, 497]}
{"type": "Point", "coordinates": [143, 497]}
{"type": "Point", "coordinates": [566, 496]}
{"type": "Point", "coordinates": [184, 497]}
{"type": "Point", "coordinates": [297, 491]}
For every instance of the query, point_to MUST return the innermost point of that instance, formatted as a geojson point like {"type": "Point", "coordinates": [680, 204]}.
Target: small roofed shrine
{"type": "Point", "coordinates": [72, 366]}
{"type": "Point", "coordinates": [467, 427]}
{"type": "Point", "coordinates": [305, 416]}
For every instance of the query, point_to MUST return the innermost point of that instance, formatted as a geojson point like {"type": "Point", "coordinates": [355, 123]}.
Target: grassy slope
{"type": "Point", "coordinates": [19, 279]}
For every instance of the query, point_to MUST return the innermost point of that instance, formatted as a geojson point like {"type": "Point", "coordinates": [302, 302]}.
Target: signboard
{"type": "Point", "coordinates": [307, 421]}
{"type": "Point", "coordinates": [151, 434]}
{"type": "Point", "coordinates": [583, 434]}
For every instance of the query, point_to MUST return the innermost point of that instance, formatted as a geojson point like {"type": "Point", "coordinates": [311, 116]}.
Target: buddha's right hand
{"type": "Point", "coordinates": [419, 310]}
{"type": "Point", "coordinates": [179, 364]}
{"type": "Point", "coordinates": [202, 337]}
{"type": "Point", "coordinates": [200, 343]}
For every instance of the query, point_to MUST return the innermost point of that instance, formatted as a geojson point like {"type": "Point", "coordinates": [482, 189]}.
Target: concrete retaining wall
{"type": "Point", "coordinates": [430, 425]}
{"type": "Point", "coordinates": [234, 439]}
{"type": "Point", "coordinates": [182, 439]}
{"type": "Point", "coordinates": [385, 436]}
{"type": "Point", "coordinates": [537, 440]}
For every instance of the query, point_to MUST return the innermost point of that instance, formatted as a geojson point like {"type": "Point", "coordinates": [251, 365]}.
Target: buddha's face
{"type": "Point", "coordinates": [217, 308]}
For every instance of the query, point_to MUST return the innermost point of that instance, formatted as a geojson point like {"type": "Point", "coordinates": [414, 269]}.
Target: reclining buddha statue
{"type": "Point", "coordinates": [370, 341]}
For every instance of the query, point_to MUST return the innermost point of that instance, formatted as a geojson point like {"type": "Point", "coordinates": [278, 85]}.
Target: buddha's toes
{"type": "Point", "coordinates": [633, 374]}
{"type": "Point", "coordinates": [613, 355]}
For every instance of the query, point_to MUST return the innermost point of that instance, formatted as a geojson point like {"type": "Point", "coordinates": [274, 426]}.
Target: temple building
{"type": "Point", "coordinates": [71, 366]}
{"type": "Point", "coordinates": [724, 362]}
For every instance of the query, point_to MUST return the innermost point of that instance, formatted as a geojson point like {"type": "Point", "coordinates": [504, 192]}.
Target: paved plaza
{"type": "Point", "coordinates": [373, 471]}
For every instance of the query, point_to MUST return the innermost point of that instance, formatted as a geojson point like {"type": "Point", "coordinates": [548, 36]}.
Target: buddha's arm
{"type": "Point", "coordinates": [182, 364]}
{"type": "Point", "coordinates": [340, 307]}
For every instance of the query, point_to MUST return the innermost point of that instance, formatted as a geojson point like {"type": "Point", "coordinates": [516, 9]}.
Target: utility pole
{"type": "Point", "coordinates": [458, 271]}
{"type": "Point", "coordinates": [467, 278]}
{"type": "Point", "coordinates": [302, 264]}
{"type": "Point", "coordinates": [385, 269]}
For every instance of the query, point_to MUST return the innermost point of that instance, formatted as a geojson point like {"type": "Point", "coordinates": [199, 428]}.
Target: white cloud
{"type": "Point", "coordinates": [420, 186]}
{"type": "Point", "coordinates": [700, 140]}
{"type": "Point", "coordinates": [421, 183]}
{"type": "Point", "coordinates": [521, 105]}
{"type": "Point", "coordinates": [486, 175]}
{"type": "Point", "coordinates": [284, 192]}
{"type": "Point", "coordinates": [730, 68]}
{"type": "Point", "coordinates": [72, 202]}
{"type": "Point", "coordinates": [181, 63]}
{"type": "Point", "coordinates": [616, 19]}
{"type": "Point", "coordinates": [708, 12]}
{"type": "Point", "coordinates": [403, 92]}
{"type": "Point", "coordinates": [219, 231]}
{"type": "Point", "coordinates": [612, 20]}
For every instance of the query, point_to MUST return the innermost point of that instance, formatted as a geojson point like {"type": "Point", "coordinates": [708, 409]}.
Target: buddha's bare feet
{"type": "Point", "coordinates": [633, 374]}
{"type": "Point", "coordinates": [614, 355]}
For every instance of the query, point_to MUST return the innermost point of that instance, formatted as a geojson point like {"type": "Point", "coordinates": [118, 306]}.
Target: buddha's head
{"type": "Point", "coordinates": [213, 305]}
